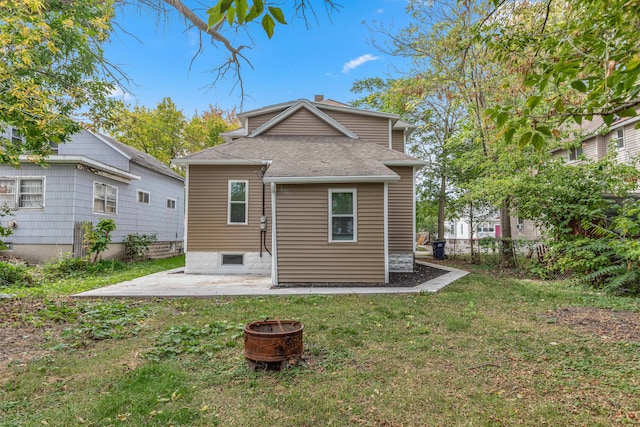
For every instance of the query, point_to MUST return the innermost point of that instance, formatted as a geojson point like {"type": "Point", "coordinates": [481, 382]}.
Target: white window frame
{"type": "Point", "coordinates": [144, 193]}
{"type": "Point", "coordinates": [17, 193]}
{"type": "Point", "coordinates": [93, 200]}
{"type": "Point", "coordinates": [620, 138]}
{"type": "Point", "coordinates": [354, 214]}
{"type": "Point", "coordinates": [230, 202]}
{"type": "Point", "coordinates": [171, 203]}
{"type": "Point", "coordinates": [575, 153]}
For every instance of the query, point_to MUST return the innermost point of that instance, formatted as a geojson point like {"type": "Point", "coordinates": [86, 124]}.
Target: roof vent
{"type": "Point", "coordinates": [140, 155]}
{"type": "Point", "coordinates": [318, 98]}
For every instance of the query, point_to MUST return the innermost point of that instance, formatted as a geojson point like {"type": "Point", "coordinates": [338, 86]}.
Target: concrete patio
{"type": "Point", "coordinates": [174, 283]}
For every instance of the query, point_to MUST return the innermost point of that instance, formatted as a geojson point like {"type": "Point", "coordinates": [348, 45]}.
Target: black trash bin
{"type": "Point", "coordinates": [438, 249]}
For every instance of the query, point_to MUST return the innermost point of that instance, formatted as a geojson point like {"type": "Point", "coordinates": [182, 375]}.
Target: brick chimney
{"type": "Point", "coordinates": [318, 98]}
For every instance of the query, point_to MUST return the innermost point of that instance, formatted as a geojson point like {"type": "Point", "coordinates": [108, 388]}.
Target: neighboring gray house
{"type": "Point", "coordinates": [91, 177]}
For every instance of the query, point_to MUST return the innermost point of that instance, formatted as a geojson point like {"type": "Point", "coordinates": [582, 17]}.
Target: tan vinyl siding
{"type": "Point", "coordinates": [401, 233]}
{"type": "Point", "coordinates": [304, 252]}
{"type": "Point", "coordinates": [256, 121]}
{"type": "Point", "coordinates": [303, 122]}
{"type": "Point", "coordinates": [373, 129]}
{"type": "Point", "coordinates": [207, 216]}
{"type": "Point", "coordinates": [397, 141]}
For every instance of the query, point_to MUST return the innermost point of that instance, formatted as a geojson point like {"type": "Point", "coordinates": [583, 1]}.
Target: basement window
{"type": "Point", "coordinates": [228, 259]}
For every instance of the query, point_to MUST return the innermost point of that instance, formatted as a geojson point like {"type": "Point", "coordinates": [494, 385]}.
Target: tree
{"type": "Point", "coordinates": [426, 101]}
{"type": "Point", "coordinates": [579, 58]}
{"type": "Point", "coordinates": [229, 16]}
{"type": "Point", "coordinates": [52, 66]}
{"type": "Point", "coordinates": [166, 133]}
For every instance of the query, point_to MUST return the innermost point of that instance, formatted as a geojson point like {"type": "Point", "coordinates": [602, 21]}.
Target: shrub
{"type": "Point", "coordinates": [137, 245]}
{"type": "Point", "coordinates": [67, 266]}
{"type": "Point", "coordinates": [98, 238]}
{"type": "Point", "coordinates": [14, 275]}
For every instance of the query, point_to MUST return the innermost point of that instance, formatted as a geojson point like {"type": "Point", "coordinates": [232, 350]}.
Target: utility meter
{"type": "Point", "coordinates": [263, 222]}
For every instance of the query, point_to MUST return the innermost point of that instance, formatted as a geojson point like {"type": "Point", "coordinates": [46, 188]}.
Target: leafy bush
{"type": "Point", "coordinates": [65, 267]}
{"type": "Point", "coordinates": [14, 275]}
{"type": "Point", "coordinates": [137, 245]}
{"type": "Point", "coordinates": [97, 238]}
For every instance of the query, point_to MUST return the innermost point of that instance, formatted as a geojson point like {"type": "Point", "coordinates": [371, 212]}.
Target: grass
{"type": "Point", "coordinates": [480, 352]}
{"type": "Point", "coordinates": [111, 272]}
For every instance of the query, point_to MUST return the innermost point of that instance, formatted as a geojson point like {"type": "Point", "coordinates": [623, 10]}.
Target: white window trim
{"type": "Point", "coordinates": [175, 203]}
{"type": "Point", "coordinates": [246, 202]}
{"type": "Point", "coordinates": [354, 191]}
{"type": "Point", "coordinates": [620, 140]}
{"type": "Point", "coordinates": [16, 191]}
{"type": "Point", "coordinates": [148, 197]}
{"type": "Point", "coordinates": [93, 200]}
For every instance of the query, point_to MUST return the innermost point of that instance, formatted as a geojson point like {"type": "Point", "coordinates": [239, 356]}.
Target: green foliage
{"type": "Point", "coordinates": [137, 245]}
{"type": "Point", "coordinates": [240, 12]}
{"type": "Point", "coordinates": [66, 266]}
{"type": "Point", "coordinates": [92, 321]}
{"type": "Point", "coordinates": [187, 339]}
{"type": "Point", "coordinates": [5, 231]}
{"type": "Point", "coordinates": [98, 238]}
{"type": "Point", "coordinates": [582, 59]}
{"type": "Point", "coordinates": [14, 275]}
{"type": "Point", "coordinates": [165, 133]}
{"type": "Point", "coordinates": [52, 67]}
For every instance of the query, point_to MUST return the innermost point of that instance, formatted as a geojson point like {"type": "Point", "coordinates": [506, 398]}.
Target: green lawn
{"type": "Point", "coordinates": [483, 351]}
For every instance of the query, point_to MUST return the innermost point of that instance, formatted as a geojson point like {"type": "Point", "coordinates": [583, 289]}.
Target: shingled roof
{"type": "Point", "coordinates": [308, 158]}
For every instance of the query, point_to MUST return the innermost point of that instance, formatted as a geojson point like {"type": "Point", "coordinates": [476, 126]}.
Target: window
{"type": "Point", "coordinates": [22, 193]}
{"type": "Point", "coordinates": [485, 227]}
{"type": "Point", "coordinates": [620, 137]}
{"type": "Point", "coordinates": [238, 205]}
{"type": "Point", "coordinates": [31, 193]}
{"type": "Point", "coordinates": [105, 198]}
{"type": "Point", "coordinates": [8, 193]}
{"type": "Point", "coordinates": [575, 153]}
{"type": "Point", "coordinates": [232, 259]}
{"type": "Point", "coordinates": [520, 224]}
{"type": "Point", "coordinates": [143, 197]}
{"type": "Point", "coordinates": [171, 203]}
{"type": "Point", "coordinates": [342, 216]}
{"type": "Point", "coordinates": [16, 138]}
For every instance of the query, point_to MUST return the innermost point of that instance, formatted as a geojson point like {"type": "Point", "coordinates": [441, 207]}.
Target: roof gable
{"type": "Point", "coordinates": [302, 104]}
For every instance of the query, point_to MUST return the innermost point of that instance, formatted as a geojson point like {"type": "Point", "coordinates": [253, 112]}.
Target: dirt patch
{"type": "Point", "coordinates": [608, 325]}
{"type": "Point", "coordinates": [20, 340]}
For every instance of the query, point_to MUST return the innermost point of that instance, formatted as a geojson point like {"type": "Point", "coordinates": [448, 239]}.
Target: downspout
{"type": "Point", "coordinates": [274, 242]}
{"type": "Point", "coordinates": [386, 232]}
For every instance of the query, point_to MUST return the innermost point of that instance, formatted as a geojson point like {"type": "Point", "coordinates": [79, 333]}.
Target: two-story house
{"type": "Point", "coordinates": [312, 192]}
{"type": "Point", "coordinates": [88, 178]}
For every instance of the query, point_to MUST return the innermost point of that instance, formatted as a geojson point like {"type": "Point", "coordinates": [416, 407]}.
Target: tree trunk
{"type": "Point", "coordinates": [474, 256]}
{"type": "Point", "coordinates": [442, 200]}
{"type": "Point", "coordinates": [506, 242]}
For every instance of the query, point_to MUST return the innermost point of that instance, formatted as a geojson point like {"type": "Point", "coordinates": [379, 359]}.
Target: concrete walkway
{"type": "Point", "coordinates": [174, 283]}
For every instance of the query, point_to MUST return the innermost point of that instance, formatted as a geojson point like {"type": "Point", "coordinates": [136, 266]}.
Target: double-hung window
{"type": "Point", "coordinates": [575, 153]}
{"type": "Point", "coordinates": [143, 197]}
{"type": "Point", "coordinates": [238, 202]}
{"type": "Point", "coordinates": [342, 215]}
{"type": "Point", "coordinates": [171, 203]}
{"type": "Point", "coordinates": [105, 198]}
{"type": "Point", "coordinates": [22, 193]}
{"type": "Point", "coordinates": [620, 137]}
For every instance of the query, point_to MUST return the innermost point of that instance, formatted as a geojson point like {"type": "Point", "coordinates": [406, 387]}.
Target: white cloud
{"type": "Point", "coordinates": [355, 63]}
{"type": "Point", "coordinates": [380, 11]}
{"type": "Point", "coordinates": [117, 92]}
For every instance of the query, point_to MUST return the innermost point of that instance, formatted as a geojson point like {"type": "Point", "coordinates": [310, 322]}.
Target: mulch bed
{"type": "Point", "coordinates": [421, 273]}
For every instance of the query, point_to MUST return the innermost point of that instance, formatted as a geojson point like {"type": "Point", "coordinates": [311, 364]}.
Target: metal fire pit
{"type": "Point", "coordinates": [273, 343]}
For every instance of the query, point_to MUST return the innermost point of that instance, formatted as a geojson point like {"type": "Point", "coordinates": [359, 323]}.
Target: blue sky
{"type": "Point", "coordinates": [297, 62]}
